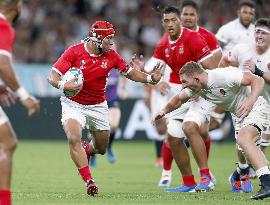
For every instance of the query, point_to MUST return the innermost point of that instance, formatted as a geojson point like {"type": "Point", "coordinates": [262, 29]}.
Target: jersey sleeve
{"type": "Point", "coordinates": [65, 62]}
{"type": "Point", "coordinates": [159, 51]}
{"type": "Point", "coordinates": [212, 42]}
{"type": "Point", "coordinates": [223, 35]}
{"type": "Point", "coordinates": [199, 47]}
{"type": "Point", "coordinates": [232, 75]}
{"type": "Point", "coordinates": [6, 40]}
{"type": "Point", "coordinates": [120, 64]}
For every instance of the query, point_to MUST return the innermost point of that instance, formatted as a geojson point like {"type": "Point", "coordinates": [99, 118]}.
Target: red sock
{"type": "Point", "coordinates": [189, 180]}
{"type": "Point", "coordinates": [167, 156]}
{"type": "Point", "coordinates": [5, 197]}
{"type": "Point", "coordinates": [207, 143]}
{"type": "Point", "coordinates": [205, 172]}
{"type": "Point", "coordinates": [85, 173]}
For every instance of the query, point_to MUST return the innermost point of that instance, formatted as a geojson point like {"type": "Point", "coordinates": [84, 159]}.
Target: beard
{"type": "Point", "coordinates": [15, 19]}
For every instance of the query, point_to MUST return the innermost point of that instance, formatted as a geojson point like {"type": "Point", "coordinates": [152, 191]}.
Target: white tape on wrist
{"type": "Point", "coordinates": [61, 85]}
{"type": "Point", "coordinates": [149, 79]}
{"type": "Point", "coordinates": [22, 93]}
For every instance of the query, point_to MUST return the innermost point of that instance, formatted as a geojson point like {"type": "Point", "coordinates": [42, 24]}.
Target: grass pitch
{"type": "Point", "coordinates": [43, 174]}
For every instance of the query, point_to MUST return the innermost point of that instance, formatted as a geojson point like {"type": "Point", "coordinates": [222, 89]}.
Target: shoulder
{"type": "Point", "coordinates": [6, 29]}
{"type": "Point", "coordinates": [163, 41]}
{"type": "Point", "coordinates": [206, 33]}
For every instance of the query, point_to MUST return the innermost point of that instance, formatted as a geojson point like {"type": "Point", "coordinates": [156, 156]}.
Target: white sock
{"type": "Point", "coordinates": [242, 166]}
{"type": "Point", "coordinates": [262, 171]}
{"type": "Point", "coordinates": [166, 172]}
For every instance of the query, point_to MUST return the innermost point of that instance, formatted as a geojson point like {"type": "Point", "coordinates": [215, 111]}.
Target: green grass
{"type": "Point", "coordinates": [43, 173]}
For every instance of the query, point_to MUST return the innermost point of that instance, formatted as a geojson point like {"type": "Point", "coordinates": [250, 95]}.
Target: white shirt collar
{"type": "Point", "coordinates": [2, 16]}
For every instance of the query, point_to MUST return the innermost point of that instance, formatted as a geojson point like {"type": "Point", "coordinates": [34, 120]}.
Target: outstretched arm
{"type": "Point", "coordinates": [175, 102]}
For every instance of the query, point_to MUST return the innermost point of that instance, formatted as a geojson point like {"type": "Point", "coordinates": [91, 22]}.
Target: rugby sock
{"type": "Point", "coordinates": [242, 169]}
{"type": "Point", "coordinates": [205, 172]}
{"type": "Point", "coordinates": [158, 145]}
{"type": "Point", "coordinates": [85, 173]}
{"type": "Point", "coordinates": [207, 143]}
{"type": "Point", "coordinates": [189, 180]}
{"type": "Point", "coordinates": [167, 156]}
{"type": "Point", "coordinates": [5, 197]}
{"type": "Point", "coordinates": [111, 139]}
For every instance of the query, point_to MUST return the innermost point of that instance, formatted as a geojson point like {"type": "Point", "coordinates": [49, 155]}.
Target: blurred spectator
{"type": "Point", "coordinates": [47, 27]}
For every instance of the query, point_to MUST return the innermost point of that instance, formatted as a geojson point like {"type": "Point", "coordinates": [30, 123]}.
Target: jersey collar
{"type": "Point", "coordinates": [172, 42]}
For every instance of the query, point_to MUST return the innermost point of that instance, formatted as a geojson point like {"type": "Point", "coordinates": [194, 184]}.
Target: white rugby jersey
{"type": "Point", "coordinates": [224, 88]}
{"type": "Point", "coordinates": [234, 33]}
{"type": "Point", "coordinates": [243, 52]}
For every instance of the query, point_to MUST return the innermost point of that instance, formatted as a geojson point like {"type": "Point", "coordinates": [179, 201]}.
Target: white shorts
{"type": "Point", "coordinates": [96, 117]}
{"type": "Point", "coordinates": [3, 116]}
{"type": "Point", "coordinates": [259, 117]}
{"type": "Point", "coordinates": [197, 111]}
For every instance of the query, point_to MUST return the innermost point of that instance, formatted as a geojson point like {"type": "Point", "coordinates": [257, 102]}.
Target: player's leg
{"type": "Point", "coordinates": [161, 128]}
{"type": "Point", "coordinates": [181, 156]}
{"type": "Point", "coordinates": [198, 116]}
{"type": "Point", "coordinates": [114, 120]}
{"type": "Point", "coordinates": [246, 139]}
{"type": "Point", "coordinates": [8, 143]}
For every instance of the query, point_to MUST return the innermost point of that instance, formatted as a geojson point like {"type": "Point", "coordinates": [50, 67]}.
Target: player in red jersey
{"type": "Point", "coordinates": [95, 58]}
{"type": "Point", "coordinates": [177, 47]}
{"type": "Point", "coordinates": [9, 11]}
{"type": "Point", "coordinates": [189, 19]}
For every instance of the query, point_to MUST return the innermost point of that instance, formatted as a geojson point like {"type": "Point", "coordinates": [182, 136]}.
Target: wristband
{"type": "Point", "coordinates": [60, 85]}
{"type": "Point", "coordinates": [149, 79]}
{"type": "Point", "coordinates": [258, 71]}
{"type": "Point", "coordinates": [22, 93]}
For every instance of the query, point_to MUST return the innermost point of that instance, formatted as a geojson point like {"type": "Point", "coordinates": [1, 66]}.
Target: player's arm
{"type": "Point", "coordinates": [8, 76]}
{"type": "Point", "coordinates": [227, 61]}
{"type": "Point", "coordinates": [175, 102]}
{"type": "Point", "coordinates": [54, 78]}
{"type": "Point", "coordinates": [256, 83]}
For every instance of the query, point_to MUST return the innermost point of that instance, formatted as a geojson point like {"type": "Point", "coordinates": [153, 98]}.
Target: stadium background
{"type": "Point", "coordinates": [47, 27]}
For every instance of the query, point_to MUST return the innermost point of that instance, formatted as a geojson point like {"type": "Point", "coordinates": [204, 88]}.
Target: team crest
{"type": "Point", "coordinates": [222, 91]}
{"type": "Point", "coordinates": [166, 51]}
{"type": "Point", "coordinates": [104, 64]}
{"type": "Point", "coordinates": [181, 49]}
{"type": "Point", "coordinates": [82, 65]}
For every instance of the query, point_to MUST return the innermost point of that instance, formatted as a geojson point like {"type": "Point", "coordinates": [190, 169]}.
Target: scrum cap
{"type": "Point", "coordinates": [100, 30]}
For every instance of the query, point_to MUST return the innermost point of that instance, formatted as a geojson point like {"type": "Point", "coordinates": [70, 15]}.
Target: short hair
{"type": "Point", "coordinates": [190, 3]}
{"type": "Point", "coordinates": [248, 3]}
{"type": "Point", "coordinates": [170, 9]}
{"type": "Point", "coordinates": [263, 22]}
{"type": "Point", "coordinates": [191, 68]}
{"type": "Point", "coordinates": [9, 3]}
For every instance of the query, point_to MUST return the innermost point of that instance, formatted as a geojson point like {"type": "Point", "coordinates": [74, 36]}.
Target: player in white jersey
{"type": "Point", "coordinates": [235, 91]}
{"type": "Point", "coordinates": [243, 55]}
{"type": "Point", "coordinates": [239, 30]}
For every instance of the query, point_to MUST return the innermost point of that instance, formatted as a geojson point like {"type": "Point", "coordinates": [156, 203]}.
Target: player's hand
{"type": "Point", "coordinates": [249, 65]}
{"type": "Point", "coordinates": [157, 72]}
{"type": "Point", "coordinates": [7, 97]}
{"type": "Point", "coordinates": [137, 63]}
{"type": "Point", "coordinates": [32, 105]}
{"type": "Point", "coordinates": [244, 108]}
{"type": "Point", "coordinates": [163, 88]}
{"type": "Point", "coordinates": [158, 116]}
{"type": "Point", "coordinates": [73, 86]}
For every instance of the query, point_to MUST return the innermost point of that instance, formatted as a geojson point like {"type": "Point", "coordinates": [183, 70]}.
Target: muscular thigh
{"type": "Point", "coordinates": [114, 117]}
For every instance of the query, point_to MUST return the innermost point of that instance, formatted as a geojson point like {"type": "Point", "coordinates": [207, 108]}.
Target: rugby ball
{"type": "Point", "coordinates": [70, 74]}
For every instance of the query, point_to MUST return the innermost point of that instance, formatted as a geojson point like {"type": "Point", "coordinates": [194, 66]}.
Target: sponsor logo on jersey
{"type": "Point", "coordinates": [181, 49]}
{"type": "Point", "coordinates": [82, 64]}
{"type": "Point", "coordinates": [104, 64]}
{"type": "Point", "coordinates": [222, 91]}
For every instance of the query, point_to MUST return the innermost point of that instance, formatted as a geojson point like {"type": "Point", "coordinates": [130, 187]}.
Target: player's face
{"type": "Point", "coordinates": [246, 15]}
{"type": "Point", "coordinates": [171, 25]}
{"type": "Point", "coordinates": [191, 82]}
{"type": "Point", "coordinates": [107, 43]}
{"type": "Point", "coordinates": [262, 37]}
{"type": "Point", "coordinates": [189, 17]}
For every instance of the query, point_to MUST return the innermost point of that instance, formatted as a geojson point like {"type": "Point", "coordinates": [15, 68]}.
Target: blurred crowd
{"type": "Point", "coordinates": [47, 27]}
